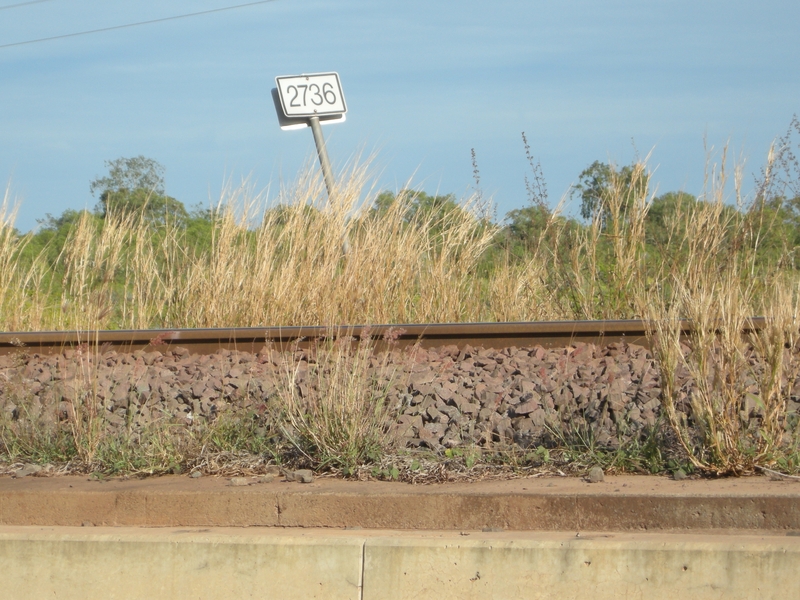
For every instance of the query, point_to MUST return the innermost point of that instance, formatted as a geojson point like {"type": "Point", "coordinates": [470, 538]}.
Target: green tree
{"type": "Point", "coordinates": [596, 181]}
{"type": "Point", "coordinates": [666, 218]}
{"type": "Point", "coordinates": [775, 230]}
{"type": "Point", "coordinates": [527, 224]}
{"type": "Point", "coordinates": [137, 185]}
{"type": "Point", "coordinates": [421, 207]}
{"type": "Point", "coordinates": [535, 230]}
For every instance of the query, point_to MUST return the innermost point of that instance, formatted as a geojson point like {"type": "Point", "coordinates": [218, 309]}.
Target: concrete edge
{"type": "Point", "coordinates": [270, 563]}
{"type": "Point", "coordinates": [445, 510]}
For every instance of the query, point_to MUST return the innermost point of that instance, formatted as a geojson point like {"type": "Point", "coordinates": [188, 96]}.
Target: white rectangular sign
{"type": "Point", "coordinates": [311, 95]}
{"type": "Point", "coordinates": [288, 123]}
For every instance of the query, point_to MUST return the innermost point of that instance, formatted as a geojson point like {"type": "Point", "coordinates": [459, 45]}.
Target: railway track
{"type": "Point", "coordinates": [252, 339]}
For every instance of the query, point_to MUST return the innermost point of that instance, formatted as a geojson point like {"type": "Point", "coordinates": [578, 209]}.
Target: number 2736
{"type": "Point", "coordinates": [312, 92]}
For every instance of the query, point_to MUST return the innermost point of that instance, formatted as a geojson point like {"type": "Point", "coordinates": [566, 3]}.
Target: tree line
{"type": "Point", "coordinates": [135, 186]}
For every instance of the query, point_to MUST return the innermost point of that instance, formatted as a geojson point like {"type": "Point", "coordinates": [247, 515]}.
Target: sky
{"type": "Point", "coordinates": [426, 82]}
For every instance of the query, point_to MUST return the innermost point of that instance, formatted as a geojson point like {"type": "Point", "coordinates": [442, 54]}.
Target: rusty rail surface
{"type": "Point", "coordinates": [253, 339]}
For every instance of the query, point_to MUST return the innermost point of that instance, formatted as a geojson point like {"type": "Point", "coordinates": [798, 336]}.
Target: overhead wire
{"type": "Point", "coordinates": [18, 4]}
{"type": "Point", "coordinates": [115, 27]}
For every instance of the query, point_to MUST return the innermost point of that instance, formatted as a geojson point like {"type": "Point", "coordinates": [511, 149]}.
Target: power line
{"type": "Point", "coordinates": [114, 27]}
{"type": "Point", "coordinates": [22, 4]}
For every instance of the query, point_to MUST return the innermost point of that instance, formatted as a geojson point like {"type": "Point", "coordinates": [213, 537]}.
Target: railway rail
{"type": "Point", "coordinates": [252, 339]}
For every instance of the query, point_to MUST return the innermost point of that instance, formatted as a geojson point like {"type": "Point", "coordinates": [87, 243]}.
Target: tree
{"type": "Point", "coordinates": [131, 174]}
{"type": "Point", "coordinates": [774, 224]}
{"type": "Point", "coordinates": [136, 185]}
{"type": "Point", "coordinates": [52, 234]}
{"type": "Point", "coordinates": [527, 224]}
{"type": "Point", "coordinates": [536, 230]}
{"type": "Point", "coordinates": [597, 181]}
{"type": "Point", "coordinates": [666, 218]}
{"type": "Point", "coordinates": [421, 207]}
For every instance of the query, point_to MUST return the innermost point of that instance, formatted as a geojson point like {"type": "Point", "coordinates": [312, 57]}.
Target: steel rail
{"type": "Point", "coordinates": [252, 339]}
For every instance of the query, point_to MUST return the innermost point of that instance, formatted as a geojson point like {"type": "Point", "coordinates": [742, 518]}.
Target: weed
{"type": "Point", "coordinates": [334, 399]}
{"type": "Point", "coordinates": [733, 417]}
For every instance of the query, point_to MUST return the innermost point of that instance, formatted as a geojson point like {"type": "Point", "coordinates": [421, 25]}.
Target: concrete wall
{"type": "Point", "coordinates": [105, 563]}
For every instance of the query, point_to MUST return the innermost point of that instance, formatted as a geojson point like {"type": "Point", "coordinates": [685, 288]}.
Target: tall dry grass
{"type": "Point", "coordinates": [272, 261]}
{"type": "Point", "coordinates": [335, 402]}
{"type": "Point", "coordinates": [299, 259]}
{"type": "Point", "coordinates": [22, 297]}
{"type": "Point", "coordinates": [734, 418]}
{"type": "Point", "coordinates": [605, 277]}
{"type": "Point", "coordinates": [282, 261]}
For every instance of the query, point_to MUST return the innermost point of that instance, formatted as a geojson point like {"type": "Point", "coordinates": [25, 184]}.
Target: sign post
{"type": "Point", "coordinates": [310, 101]}
{"type": "Point", "coordinates": [322, 152]}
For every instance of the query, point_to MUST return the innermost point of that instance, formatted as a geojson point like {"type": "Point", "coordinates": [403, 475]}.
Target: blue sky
{"type": "Point", "coordinates": [425, 82]}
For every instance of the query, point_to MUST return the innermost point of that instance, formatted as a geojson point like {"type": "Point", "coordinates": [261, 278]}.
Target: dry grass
{"type": "Point", "coordinates": [298, 259]}
{"type": "Point", "coordinates": [22, 298]}
{"type": "Point", "coordinates": [282, 261]}
{"type": "Point", "coordinates": [604, 278]}
{"type": "Point", "coordinates": [287, 267]}
{"type": "Point", "coordinates": [335, 403]}
{"type": "Point", "coordinates": [737, 408]}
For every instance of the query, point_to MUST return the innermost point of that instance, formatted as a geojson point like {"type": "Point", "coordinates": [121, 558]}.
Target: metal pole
{"type": "Point", "coordinates": [327, 172]}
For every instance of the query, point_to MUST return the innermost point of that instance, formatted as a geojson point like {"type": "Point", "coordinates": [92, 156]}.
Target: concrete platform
{"type": "Point", "coordinates": [176, 537]}
{"type": "Point", "coordinates": [619, 504]}
{"type": "Point", "coordinates": [132, 563]}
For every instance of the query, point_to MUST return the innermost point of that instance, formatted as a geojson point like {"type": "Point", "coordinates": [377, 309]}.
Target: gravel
{"type": "Point", "coordinates": [440, 398]}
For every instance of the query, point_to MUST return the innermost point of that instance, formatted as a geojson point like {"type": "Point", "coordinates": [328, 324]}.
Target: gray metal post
{"type": "Point", "coordinates": [327, 172]}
